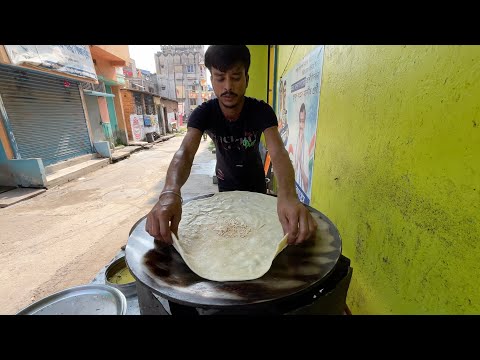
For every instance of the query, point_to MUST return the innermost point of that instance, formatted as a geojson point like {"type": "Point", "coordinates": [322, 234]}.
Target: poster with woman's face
{"type": "Point", "coordinates": [297, 111]}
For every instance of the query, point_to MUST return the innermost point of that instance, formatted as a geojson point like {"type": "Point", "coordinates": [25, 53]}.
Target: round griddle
{"type": "Point", "coordinates": [295, 270]}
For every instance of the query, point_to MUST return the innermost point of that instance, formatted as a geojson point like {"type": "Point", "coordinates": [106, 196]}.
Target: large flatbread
{"type": "Point", "coordinates": [230, 236]}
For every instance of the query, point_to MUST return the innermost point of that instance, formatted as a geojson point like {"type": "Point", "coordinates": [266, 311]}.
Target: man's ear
{"type": "Point", "coordinates": [248, 78]}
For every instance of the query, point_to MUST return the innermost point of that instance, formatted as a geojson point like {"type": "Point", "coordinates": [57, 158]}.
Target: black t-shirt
{"type": "Point", "coordinates": [239, 165]}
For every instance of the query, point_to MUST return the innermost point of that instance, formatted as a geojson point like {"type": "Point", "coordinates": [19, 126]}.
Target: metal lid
{"type": "Point", "coordinates": [93, 299]}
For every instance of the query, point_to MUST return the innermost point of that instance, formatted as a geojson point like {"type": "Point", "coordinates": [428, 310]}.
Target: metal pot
{"type": "Point", "coordinates": [115, 267]}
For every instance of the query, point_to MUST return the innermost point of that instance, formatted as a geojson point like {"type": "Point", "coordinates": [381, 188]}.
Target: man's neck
{"type": "Point", "coordinates": [232, 114]}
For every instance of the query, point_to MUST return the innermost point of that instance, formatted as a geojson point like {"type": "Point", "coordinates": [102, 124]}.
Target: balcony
{"type": "Point", "coordinates": [117, 55]}
{"type": "Point", "coordinates": [95, 89]}
{"type": "Point", "coordinates": [100, 87]}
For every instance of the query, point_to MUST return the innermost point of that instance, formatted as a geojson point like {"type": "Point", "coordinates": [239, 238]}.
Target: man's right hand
{"type": "Point", "coordinates": [164, 218]}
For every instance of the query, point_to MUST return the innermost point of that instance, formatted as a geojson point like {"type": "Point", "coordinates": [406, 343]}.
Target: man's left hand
{"type": "Point", "coordinates": [296, 220]}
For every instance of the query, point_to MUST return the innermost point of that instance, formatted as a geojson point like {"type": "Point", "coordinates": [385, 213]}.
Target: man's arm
{"type": "Point", "coordinates": [181, 164]}
{"type": "Point", "coordinates": [166, 214]}
{"type": "Point", "coordinates": [295, 218]}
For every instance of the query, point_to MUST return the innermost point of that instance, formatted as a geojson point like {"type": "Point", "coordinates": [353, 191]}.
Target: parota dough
{"type": "Point", "coordinates": [230, 236]}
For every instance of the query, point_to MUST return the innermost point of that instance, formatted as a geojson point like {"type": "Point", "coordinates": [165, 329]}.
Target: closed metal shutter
{"type": "Point", "coordinates": [45, 114]}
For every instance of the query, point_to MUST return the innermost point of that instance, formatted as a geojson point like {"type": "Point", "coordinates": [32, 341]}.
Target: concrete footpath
{"type": "Point", "coordinates": [64, 236]}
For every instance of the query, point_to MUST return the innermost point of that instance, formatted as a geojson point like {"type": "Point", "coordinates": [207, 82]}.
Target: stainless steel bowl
{"type": "Point", "coordinates": [127, 289]}
{"type": "Point", "coordinates": [93, 299]}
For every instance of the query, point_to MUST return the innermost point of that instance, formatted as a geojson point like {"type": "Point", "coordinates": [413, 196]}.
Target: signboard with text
{"type": "Point", "coordinates": [75, 60]}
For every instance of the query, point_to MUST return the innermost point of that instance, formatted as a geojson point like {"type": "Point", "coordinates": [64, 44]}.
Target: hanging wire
{"type": "Point", "coordinates": [288, 62]}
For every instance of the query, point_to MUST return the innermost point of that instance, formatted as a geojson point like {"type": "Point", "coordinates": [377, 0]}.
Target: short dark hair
{"type": "Point", "coordinates": [302, 108]}
{"type": "Point", "coordinates": [224, 57]}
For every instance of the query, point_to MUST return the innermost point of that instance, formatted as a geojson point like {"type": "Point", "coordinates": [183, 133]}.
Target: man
{"type": "Point", "coordinates": [235, 123]}
{"type": "Point", "coordinates": [301, 156]}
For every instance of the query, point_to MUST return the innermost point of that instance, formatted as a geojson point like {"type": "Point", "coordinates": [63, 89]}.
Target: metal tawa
{"type": "Point", "coordinates": [295, 270]}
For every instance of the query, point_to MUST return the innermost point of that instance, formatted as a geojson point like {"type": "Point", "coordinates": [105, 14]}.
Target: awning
{"type": "Point", "coordinates": [96, 93]}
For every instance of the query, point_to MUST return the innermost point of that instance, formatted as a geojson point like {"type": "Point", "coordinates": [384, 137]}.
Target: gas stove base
{"type": "Point", "coordinates": [328, 298]}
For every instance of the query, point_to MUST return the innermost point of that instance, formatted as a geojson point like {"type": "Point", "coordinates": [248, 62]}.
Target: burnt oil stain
{"type": "Point", "coordinates": [167, 264]}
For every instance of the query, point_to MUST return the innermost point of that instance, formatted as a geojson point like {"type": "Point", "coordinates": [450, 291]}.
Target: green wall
{"type": "Point", "coordinates": [258, 72]}
{"type": "Point", "coordinates": [397, 169]}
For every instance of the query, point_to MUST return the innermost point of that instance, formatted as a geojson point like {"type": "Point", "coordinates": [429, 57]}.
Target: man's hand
{"type": "Point", "coordinates": [296, 220]}
{"type": "Point", "coordinates": [164, 218]}
{"type": "Point", "coordinates": [167, 212]}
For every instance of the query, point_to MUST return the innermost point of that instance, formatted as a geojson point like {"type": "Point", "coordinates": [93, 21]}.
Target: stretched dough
{"type": "Point", "coordinates": [230, 236]}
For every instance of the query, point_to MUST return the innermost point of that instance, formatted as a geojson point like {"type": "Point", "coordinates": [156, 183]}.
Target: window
{"type": "Point", "coordinates": [138, 104]}
{"type": "Point", "coordinates": [193, 87]}
{"type": "Point", "coordinates": [149, 105]}
{"type": "Point", "coordinates": [190, 69]}
{"type": "Point", "coordinates": [163, 87]}
{"type": "Point", "coordinates": [193, 101]}
{"type": "Point", "coordinates": [180, 94]}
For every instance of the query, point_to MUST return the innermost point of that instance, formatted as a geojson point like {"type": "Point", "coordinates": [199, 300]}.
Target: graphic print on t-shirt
{"type": "Point", "coordinates": [242, 143]}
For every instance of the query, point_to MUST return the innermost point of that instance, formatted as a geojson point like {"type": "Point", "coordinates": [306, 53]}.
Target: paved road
{"type": "Point", "coordinates": [63, 237]}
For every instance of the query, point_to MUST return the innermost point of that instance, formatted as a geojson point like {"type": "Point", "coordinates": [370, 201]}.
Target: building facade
{"type": "Point", "coordinates": [147, 112]}
{"type": "Point", "coordinates": [181, 75]}
{"type": "Point", "coordinates": [139, 79]}
{"type": "Point", "coordinates": [103, 100]}
{"type": "Point", "coordinates": [45, 117]}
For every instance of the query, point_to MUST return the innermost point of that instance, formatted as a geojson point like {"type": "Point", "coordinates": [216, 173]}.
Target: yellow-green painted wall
{"type": "Point", "coordinates": [397, 169]}
{"type": "Point", "coordinates": [257, 86]}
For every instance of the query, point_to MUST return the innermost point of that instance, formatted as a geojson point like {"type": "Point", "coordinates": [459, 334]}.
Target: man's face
{"type": "Point", "coordinates": [230, 86]}
{"type": "Point", "coordinates": [301, 120]}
